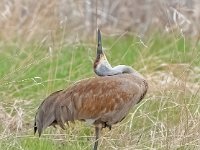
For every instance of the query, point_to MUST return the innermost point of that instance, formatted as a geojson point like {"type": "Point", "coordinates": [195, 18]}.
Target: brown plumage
{"type": "Point", "coordinates": [101, 101]}
{"type": "Point", "coordinates": [104, 100]}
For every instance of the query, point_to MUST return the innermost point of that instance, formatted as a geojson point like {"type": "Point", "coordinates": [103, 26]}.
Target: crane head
{"type": "Point", "coordinates": [101, 63]}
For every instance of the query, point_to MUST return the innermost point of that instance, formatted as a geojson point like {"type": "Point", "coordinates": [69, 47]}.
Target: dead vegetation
{"type": "Point", "coordinates": [30, 19]}
{"type": "Point", "coordinates": [168, 118]}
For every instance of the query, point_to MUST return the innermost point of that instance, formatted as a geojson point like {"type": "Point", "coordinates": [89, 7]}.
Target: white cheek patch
{"type": "Point", "coordinates": [105, 63]}
{"type": "Point", "coordinates": [103, 68]}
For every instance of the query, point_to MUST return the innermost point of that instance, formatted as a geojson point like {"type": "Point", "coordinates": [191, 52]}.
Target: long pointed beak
{"type": "Point", "coordinates": [101, 63]}
{"type": "Point", "coordinates": [99, 46]}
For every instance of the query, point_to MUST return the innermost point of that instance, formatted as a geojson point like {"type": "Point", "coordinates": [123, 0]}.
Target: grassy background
{"type": "Point", "coordinates": [168, 117]}
{"type": "Point", "coordinates": [42, 50]}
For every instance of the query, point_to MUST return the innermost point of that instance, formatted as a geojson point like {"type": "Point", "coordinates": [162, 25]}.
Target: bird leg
{"type": "Point", "coordinates": [97, 130]}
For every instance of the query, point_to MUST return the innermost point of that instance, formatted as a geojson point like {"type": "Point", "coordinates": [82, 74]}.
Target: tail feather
{"type": "Point", "coordinates": [59, 117]}
{"type": "Point", "coordinates": [35, 127]}
{"type": "Point", "coordinates": [52, 112]}
{"type": "Point", "coordinates": [43, 119]}
{"type": "Point", "coordinates": [66, 114]}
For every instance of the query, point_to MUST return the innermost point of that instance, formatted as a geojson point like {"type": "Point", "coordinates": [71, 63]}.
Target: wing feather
{"type": "Point", "coordinates": [93, 98]}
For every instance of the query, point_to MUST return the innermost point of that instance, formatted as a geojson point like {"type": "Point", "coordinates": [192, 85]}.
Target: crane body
{"type": "Point", "coordinates": [102, 101]}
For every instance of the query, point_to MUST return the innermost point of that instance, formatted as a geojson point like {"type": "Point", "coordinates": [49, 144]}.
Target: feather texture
{"type": "Point", "coordinates": [106, 100]}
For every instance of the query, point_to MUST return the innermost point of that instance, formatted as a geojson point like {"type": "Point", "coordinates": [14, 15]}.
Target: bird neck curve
{"type": "Point", "coordinates": [103, 68]}
{"type": "Point", "coordinates": [123, 69]}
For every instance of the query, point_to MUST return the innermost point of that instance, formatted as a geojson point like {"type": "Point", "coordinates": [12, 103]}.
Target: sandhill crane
{"type": "Point", "coordinates": [101, 65]}
{"type": "Point", "coordinates": [100, 101]}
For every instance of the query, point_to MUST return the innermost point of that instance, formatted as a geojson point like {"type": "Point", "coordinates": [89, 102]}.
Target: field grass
{"type": "Point", "coordinates": [168, 117]}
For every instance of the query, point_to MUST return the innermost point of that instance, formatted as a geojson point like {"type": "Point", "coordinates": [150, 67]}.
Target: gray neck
{"type": "Point", "coordinates": [105, 69]}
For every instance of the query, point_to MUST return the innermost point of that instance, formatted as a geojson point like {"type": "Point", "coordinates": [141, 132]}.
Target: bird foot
{"type": "Point", "coordinates": [105, 125]}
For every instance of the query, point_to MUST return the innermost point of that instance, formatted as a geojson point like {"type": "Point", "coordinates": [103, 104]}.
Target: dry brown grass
{"type": "Point", "coordinates": [168, 118]}
{"type": "Point", "coordinates": [39, 19]}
